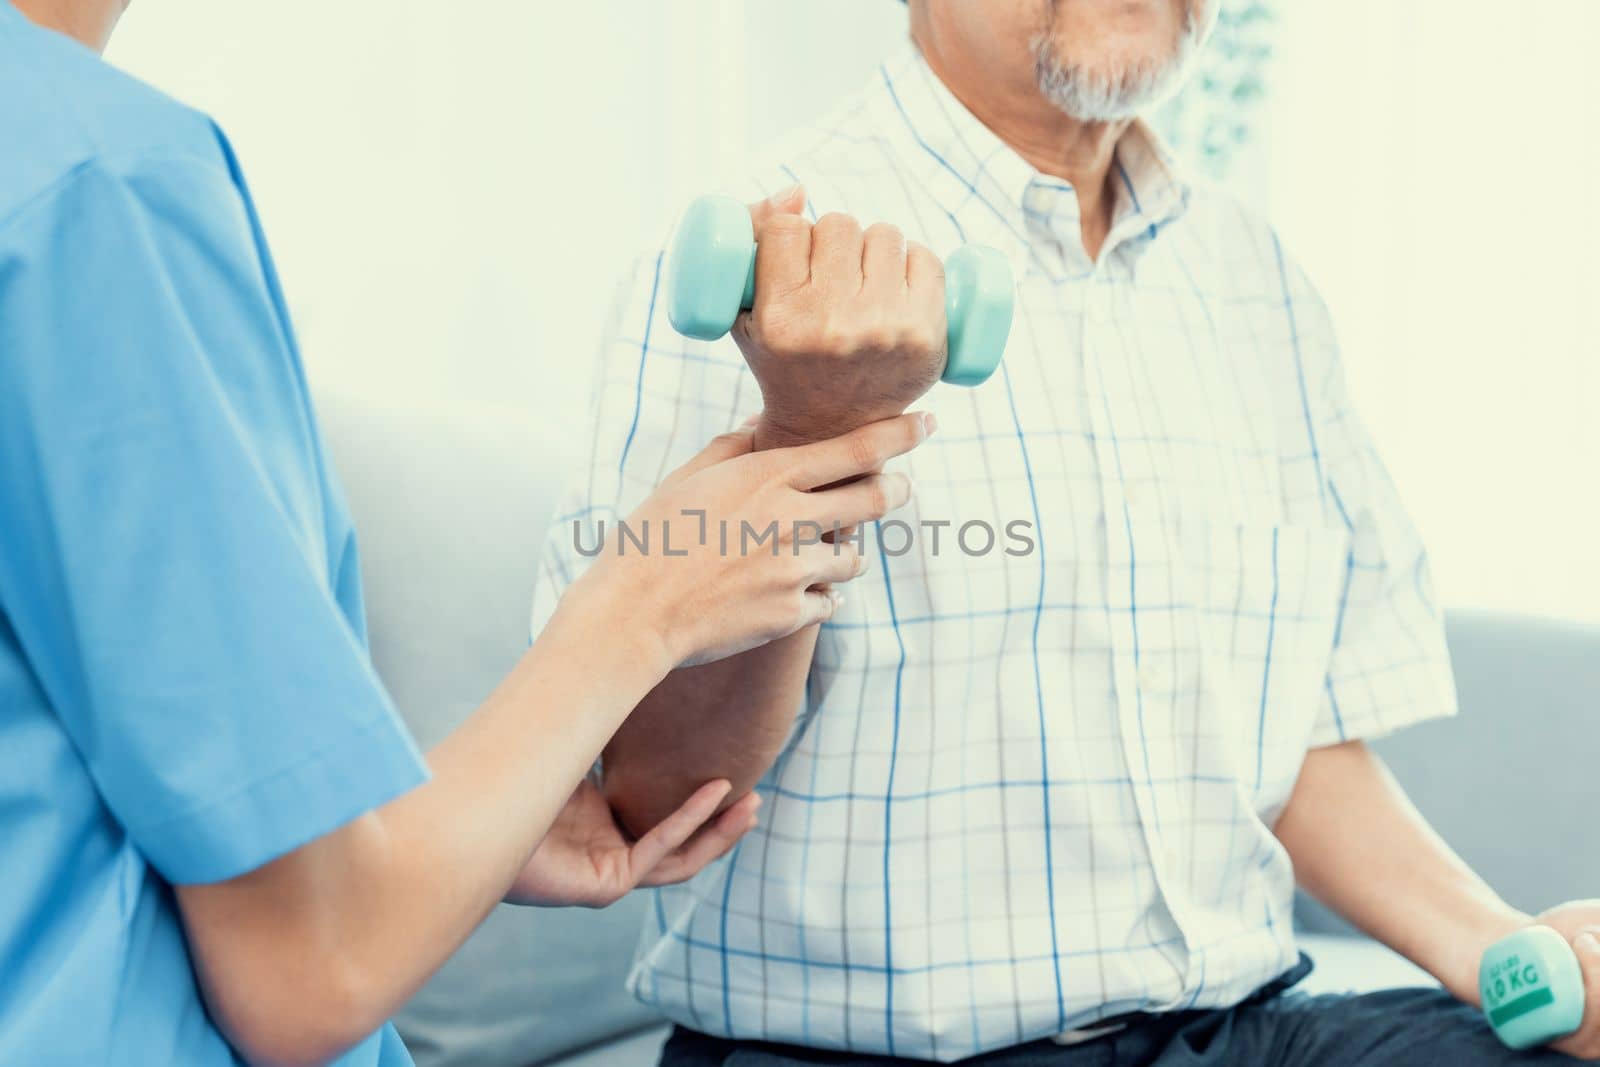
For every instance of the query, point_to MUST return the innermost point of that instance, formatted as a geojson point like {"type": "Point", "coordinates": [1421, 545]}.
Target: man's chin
{"type": "Point", "coordinates": [1097, 94]}
{"type": "Point", "coordinates": [1109, 89]}
{"type": "Point", "coordinates": [1125, 72]}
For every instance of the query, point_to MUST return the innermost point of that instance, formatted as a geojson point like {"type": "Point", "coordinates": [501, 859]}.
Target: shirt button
{"type": "Point", "coordinates": [1152, 677]}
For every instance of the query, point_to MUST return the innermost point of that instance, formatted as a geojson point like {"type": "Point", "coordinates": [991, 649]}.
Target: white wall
{"type": "Point", "coordinates": [451, 188]}
{"type": "Point", "coordinates": [1435, 164]}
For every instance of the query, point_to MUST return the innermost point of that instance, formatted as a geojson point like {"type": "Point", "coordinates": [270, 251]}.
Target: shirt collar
{"type": "Point", "coordinates": [994, 196]}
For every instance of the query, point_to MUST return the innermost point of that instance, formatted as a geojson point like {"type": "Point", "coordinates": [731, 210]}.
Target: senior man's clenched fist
{"type": "Point", "coordinates": [848, 325]}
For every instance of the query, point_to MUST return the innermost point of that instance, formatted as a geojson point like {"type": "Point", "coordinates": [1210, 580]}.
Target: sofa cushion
{"type": "Point", "coordinates": [641, 1049]}
{"type": "Point", "coordinates": [449, 507]}
{"type": "Point", "coordinates": [1356, 965]}
{"type": "Point", "coordinates": [1510, 782]}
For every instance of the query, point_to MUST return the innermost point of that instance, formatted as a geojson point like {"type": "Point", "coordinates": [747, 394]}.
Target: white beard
{"type": "Point", "coordinates": [1093, 95]}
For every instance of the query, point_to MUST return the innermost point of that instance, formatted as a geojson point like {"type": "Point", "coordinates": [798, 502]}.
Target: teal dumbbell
{"type": "Point", "coordinates": [1532, 987]}
{"type": "Point", "coordinates": [711, 277]}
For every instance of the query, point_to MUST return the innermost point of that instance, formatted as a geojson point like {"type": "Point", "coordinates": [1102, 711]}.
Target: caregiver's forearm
{"type": "Point", "coordinates": [727, 719]}
{"type": "Point", "coordinates": [338, 934]}
{"type": "Point", "coordinates": [1361, 847]}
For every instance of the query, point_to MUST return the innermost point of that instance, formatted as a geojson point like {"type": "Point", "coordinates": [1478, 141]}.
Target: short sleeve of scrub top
{"type": "Point", "coordinates": [185, 691]}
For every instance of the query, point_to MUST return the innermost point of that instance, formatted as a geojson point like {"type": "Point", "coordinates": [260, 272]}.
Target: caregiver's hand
{"type": "Point", "coordinates": [585, 860]}
{"type": "Point", "coordinates": [848, 325]}
{"type": "Point", "coordinates": [735, 556]}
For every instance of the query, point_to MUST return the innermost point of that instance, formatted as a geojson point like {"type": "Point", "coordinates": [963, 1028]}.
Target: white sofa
{"type": "Point", "coordinates": [451, 508]}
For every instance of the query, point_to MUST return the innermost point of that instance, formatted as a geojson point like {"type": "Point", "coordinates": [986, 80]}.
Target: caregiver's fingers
{"type": "Point", "coordinates": [864, 500]}
{"type": "Point", "coordinates": [826, 564]}
{"type": "Point", "coordinates": [818, 605]}
{"type": "Point", "coordinates": [856, 453]}
{"type": "Point", "coordinates": [670, 833]}
{"type": "Point", "coordinates": [694, 851]}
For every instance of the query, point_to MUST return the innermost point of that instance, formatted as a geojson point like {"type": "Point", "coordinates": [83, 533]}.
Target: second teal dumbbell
{"type": "Point", "coordinates": [711, 277]}
{"type": "Point", "coordinates": [1532, 987]}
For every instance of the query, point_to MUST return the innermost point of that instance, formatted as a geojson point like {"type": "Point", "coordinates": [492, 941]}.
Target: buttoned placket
{"type": "Point", "coordinates": [1041, 225]}
{"type": "Point", "coordinates": [1135, 548]}
{"type": "Point", "coordinates": [1051, 222]}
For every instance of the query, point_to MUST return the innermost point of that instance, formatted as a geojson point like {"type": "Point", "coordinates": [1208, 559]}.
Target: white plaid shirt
{"type": "Point", "coordinates": [1027, 792]}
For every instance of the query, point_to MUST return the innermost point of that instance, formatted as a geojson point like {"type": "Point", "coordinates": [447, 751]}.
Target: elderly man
{"type": "Point", "coordinates": [220, 843]}
{"type": "Point", "coordinates": [1043, 787]}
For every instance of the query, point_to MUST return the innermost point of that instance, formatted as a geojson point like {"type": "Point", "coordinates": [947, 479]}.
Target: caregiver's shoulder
{"type": "Point", "coordinates": [62, 108]}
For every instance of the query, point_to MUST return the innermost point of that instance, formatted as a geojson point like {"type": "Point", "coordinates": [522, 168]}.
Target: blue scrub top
{"type": "Point", "coordinates": [185, 691]}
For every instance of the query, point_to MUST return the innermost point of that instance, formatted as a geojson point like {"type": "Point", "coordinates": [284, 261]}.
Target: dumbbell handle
{"type": "Point", "coordinates": [1532, 987]}
{"type": "Point", "coordinates": [748, 300]}
{"type": "Point", "coordinates": [963, 279]}
{"type": "Point", "coordinates": [714, 251]}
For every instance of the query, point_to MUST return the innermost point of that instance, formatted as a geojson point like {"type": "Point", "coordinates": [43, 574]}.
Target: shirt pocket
{"type": "Point", "coordinates": [1265, 604]}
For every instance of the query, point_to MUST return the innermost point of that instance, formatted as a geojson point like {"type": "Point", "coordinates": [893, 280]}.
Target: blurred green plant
{"type": "Point", "coordinates": [1219, 110]}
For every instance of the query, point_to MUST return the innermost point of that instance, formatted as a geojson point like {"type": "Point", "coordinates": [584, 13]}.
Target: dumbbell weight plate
{"type": "Point", "coordinates": [1532, 987]}
{"type": "Point", "coordinates": [979, 300]}
{"type": "Point", "coordinates": [710, 267]}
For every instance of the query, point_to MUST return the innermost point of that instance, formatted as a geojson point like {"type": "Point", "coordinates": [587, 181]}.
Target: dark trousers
{"type": "Point", "coordinates": [1274, 1028]}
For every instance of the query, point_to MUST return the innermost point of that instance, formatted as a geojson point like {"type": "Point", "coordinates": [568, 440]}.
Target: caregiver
{"type": "Point", "coordinates": [219, 842]}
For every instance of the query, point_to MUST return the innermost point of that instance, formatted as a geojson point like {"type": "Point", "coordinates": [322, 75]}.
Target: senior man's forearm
{"type": "Point", "coordinates": [1361, 847]}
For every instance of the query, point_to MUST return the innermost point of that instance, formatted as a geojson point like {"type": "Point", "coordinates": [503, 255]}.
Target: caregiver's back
{"type": "Point", "coordinates": [124, 207]}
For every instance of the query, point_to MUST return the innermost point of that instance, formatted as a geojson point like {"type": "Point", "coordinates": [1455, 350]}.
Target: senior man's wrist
{"type": "Point", "coordinates": [1460, 942]}
{"type": "Point", "coordinates": [771, 432]}
{"type": "Point", "coordinates": [782, 429]}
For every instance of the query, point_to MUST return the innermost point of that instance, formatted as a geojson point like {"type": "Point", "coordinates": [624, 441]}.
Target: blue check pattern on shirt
{"type": "Point", "coordinates": [1027, 792]}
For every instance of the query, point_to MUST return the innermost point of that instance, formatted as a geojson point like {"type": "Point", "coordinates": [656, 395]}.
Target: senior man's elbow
{"type": "Point", "coordinates": [642, 792]}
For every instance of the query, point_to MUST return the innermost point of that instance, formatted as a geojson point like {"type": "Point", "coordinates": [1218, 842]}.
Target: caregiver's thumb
{"type": "Point", "coordinates": [723, 447]}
